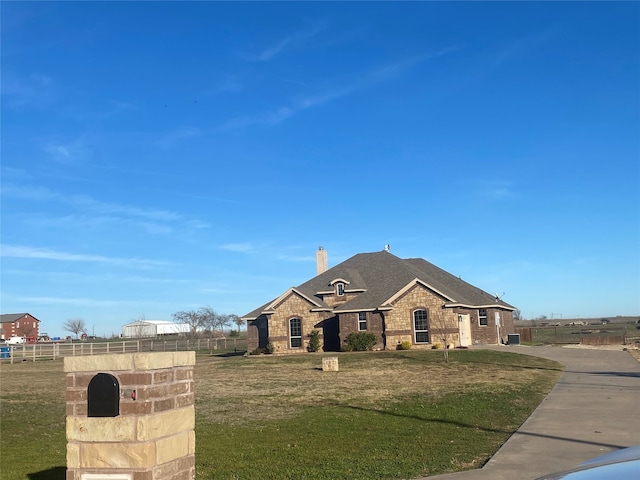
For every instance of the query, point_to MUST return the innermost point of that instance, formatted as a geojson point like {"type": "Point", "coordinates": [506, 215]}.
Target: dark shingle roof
{"type": "Point", "coordinates": [12, 317]}
{"type": "Point", "coordinates": [381, 275]}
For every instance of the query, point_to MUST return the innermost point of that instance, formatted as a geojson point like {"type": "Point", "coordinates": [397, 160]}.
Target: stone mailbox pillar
{"type": "Point", "coordinates": [130, 416]}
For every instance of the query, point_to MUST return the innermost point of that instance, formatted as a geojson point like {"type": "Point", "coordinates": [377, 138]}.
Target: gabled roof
{"type": "Point", "coordinates": [14, 317]}
{"type": "Point", "coordinates": [317, 304]}
{"type": "Point", "coordinates": [382, 278]}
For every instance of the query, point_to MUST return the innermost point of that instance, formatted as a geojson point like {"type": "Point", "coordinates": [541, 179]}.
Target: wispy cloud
{"type": "Point", "coordinates": [245, 247]}
{"type": "Point", "coordinates": [280, 114]}
{"type": "Point", "coordinates": [397, 69]}
{"type": "Point", "coordinates": [499, 192]}
{"type": "Point", "coordinates": [493, 189]}
{"type": "Point", "coordinates": [79, 301]}
{"type": "Point", "coordinates": [23, 251]}
{"type": "Point", "coordinates": [377, 75]}
{"type": "Point", "coordinates": [520, 46]}
{"type": "Point", "coordinates": [169, 138]}
{"type": "Point", "coordinates": [293, 40]}
{"type": "Point", "coordinates": [34, 192]}
{"type": "Point", "coordinates": [32, 90]}
{"type": "Point", "coordinates": [68, 153]}
{"type": "Point", "coordinates": [67, 276]}
{"type": "Point", "coordinates": [498, 189]}
{"type": "Point", "coordinates": [296, 258]}
{"type": "Point", "coordinates": [230, 85]}
{"type": "Point", "coordinates": [117, 107]}
{"type": "Point", "coordinates": [95, 212]}
{"type": "Point", "coordinates": [97, 206]}
{"type": "Point", "coordinates": [19, 174]}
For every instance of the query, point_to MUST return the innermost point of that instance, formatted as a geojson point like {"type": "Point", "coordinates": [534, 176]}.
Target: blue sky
{"type": "Point", "coordinates": [162, 156]}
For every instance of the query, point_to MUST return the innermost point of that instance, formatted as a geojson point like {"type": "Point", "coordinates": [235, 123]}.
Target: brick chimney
{"type": "Point", "coordinates": [321, 261]}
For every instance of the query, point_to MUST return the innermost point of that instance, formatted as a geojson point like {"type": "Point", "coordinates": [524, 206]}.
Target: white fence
{"type": "Point", "coordinates": [45, 351]}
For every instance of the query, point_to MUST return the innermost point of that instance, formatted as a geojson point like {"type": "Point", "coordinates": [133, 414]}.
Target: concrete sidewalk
{"type": "Point", "coordinates": [593, 409]}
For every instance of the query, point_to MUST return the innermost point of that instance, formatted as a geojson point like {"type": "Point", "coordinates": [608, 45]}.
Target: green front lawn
{"type": "Point", "coordinates": [383, 415]}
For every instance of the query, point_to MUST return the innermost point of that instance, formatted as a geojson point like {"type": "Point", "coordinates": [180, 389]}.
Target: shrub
{"type": "Point", "coordinates": [406, 345]}
{"type": "Point", "coordinates": [270, 348]}
{"type": "Point", "coordinates": [361, 341]}
{"type": "Point", "coordinates": [314, 341]}
{"type": "Point", "coordinates": [257, 351]}
{"type": "Point", "coordinates": [347, 348]}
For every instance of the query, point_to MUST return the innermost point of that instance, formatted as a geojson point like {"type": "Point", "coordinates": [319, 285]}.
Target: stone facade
{"type": "Point", "coordinates": [399, 320]}
{"type": "Point", "coordinates": [153, 437]}
{"type": "Point", "coordinates": [276, 326]}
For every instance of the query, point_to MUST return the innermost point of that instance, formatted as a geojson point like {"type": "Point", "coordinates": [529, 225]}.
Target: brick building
{"type": "Point", "coordinates": [19, 325]}
{"type": "Point", "coordinates": [398, 300]}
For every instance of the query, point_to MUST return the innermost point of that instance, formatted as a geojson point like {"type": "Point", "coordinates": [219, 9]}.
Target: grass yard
{"type": "Point", "coordinates": [384, 415]}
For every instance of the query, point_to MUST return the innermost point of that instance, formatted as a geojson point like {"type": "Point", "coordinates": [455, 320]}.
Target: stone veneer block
{"type": "Point", "coordinates": [73, 455]}
{"type": "Point", "coordinates": [166, 423]}
{"type": "Point", "coordinates": [172, 448]}
{"type": "Point", "coordinates": [118, 455]}
{"type": "Point", "coordinates": [98, 363]}
{"type": "Point", "coordinates": [99, 429]}
{"type": "Point", "coordinates": [146, 361]}
{"type": "Point", "coordinates": [192, 442]}
{"type": "Point", "coordinates": [330, 364]}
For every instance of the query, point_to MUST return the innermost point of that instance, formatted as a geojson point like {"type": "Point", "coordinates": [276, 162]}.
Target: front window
{"type": "Point", "coordinates": [482, 317]}
{"type": "Point", "coordinates": [340, 288]}
{"type": "Point", "coordinates": [421, 326]}
{"type": "Point", "coordinates": [295, 333]}
{"type": "Point", "coordinates": [362, 321]}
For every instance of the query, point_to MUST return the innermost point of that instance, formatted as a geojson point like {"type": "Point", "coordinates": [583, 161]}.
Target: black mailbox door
{"type": "Point", "coordinates": [103, 396]}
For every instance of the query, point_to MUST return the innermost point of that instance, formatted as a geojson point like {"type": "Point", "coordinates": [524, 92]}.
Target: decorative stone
{"type": "Point", "coordinates": [330, 364]}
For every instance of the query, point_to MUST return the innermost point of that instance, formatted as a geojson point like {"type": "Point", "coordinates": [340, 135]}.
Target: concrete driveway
{"type": "Point", "coordinates": [593, 409]}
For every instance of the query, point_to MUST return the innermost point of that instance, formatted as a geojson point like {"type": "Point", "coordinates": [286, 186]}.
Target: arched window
{"type": "Point", "coordinates": [340, 289]}
{"type": "Point", "coordinates": [295, 333]}
{"type": "Point", "coordinates": [421, 326]}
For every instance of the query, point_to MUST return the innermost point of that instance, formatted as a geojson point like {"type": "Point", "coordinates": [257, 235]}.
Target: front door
{"type": "Point", "coordinates": [331, 334]}
{"type": "Point", "coordinates": [464, 326]}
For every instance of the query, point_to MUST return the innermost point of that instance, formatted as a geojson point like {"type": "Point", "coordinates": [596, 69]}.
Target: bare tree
{"type": "Point", "coordinates": [139, 328]}
{"type": "Point", "coordinates": [224, 321]}
{"type": "Point", "coordinates": [441, 332]}
{"type": "Point", "coordinates": [26, 330]}
{"type": "Point", "coordinates": [193, 318]}
{"type": "Point", "coordinates": [75, 326]}
{"type": "Point", "coordinates": [205, 318]}
{"type": "Point", "coordinates": [209, 319]}
{"type": "Point", "coordinates": [517, 314]}
{"type": "Point", "coordinates": [216, 322]}
{"type": "Point", "coordinates": [237, 320]}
